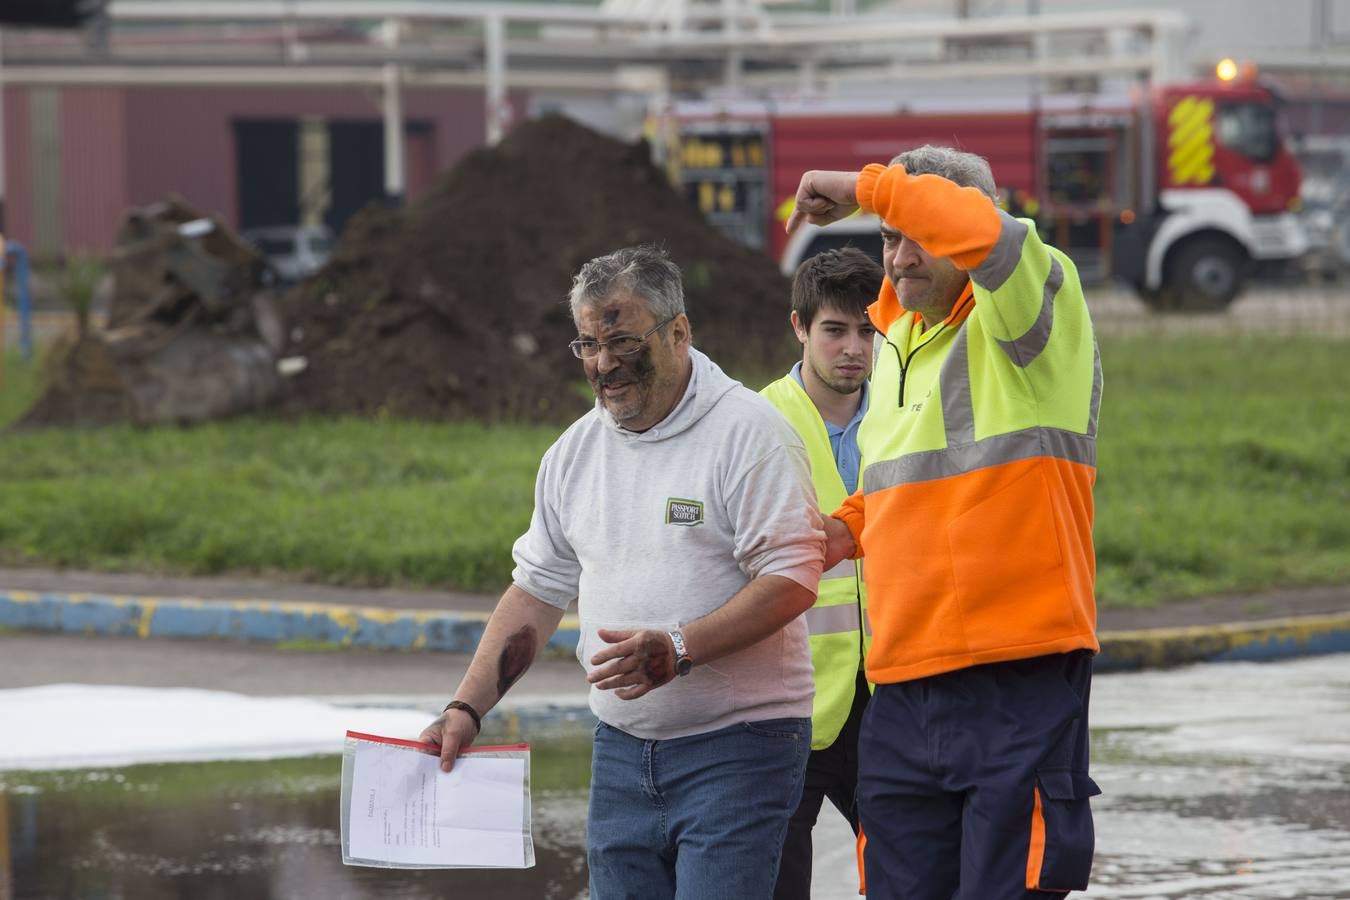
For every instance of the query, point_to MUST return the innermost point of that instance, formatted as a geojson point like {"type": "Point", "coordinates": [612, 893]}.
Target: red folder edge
{"type": "Point", "coordinates": [432, 748]}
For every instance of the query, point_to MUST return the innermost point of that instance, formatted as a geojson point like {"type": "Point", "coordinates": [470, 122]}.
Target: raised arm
{"type": "Point", "coordinates": [942, 217]}
{"type": "Point", "coordinates": [1015, 276]}
{"type": "Point", "coordinates": [824, 197]}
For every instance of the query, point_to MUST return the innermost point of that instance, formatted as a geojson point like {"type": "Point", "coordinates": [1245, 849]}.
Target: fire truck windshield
{"type": "Point", "coordinates": [1249, 129]}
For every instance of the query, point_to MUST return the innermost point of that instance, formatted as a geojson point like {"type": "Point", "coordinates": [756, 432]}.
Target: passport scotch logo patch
{"type": "Point", "coordinates": [684, 512]}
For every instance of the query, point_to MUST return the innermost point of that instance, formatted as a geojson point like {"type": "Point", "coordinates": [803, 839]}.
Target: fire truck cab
{"type": "Point", "coordinates": [1218, 193]}
{"type": "Point", "coordinates": [1180, 190]}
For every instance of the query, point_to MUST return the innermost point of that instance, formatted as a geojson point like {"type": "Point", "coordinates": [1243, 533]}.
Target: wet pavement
{"type": "Point", "coordinates": [257, 830]}
{"type": "Point", "coordinates": [1225, 782]}
{"type": "Point", "coordinates": [1221, 782]}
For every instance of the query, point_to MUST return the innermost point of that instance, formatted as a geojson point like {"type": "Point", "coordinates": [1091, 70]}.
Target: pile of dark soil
{"type": "Point", "coordinates": [191, 337]}
{"type": "Point", "coordinates": [456, 306]}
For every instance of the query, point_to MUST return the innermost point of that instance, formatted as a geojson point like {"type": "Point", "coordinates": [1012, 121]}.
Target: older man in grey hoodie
{"type": "Point", "coordinates": [679, 514]}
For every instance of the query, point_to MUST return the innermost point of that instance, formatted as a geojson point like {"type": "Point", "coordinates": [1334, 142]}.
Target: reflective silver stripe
{"type": "Point", "coordinates": [1003, 259]}
{"type": "Point", "coordinates": [1026, 348]}
{"type": "Point", "coordinates": [843, 569]}
{"type": "Point", "coordinates": [958, 413]}
{"type": "Point", "coordinates": [992, 451]}
{"type": "Point", "coordinates": [832, 619]}
{"type": "Point", "coordinates": [1096, 400]}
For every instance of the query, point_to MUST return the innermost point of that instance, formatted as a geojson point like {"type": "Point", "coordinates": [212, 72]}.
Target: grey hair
{"type": "Point", "coordinates": [965, 169]}
{"type": "Point", "coordinates": [646, 272]}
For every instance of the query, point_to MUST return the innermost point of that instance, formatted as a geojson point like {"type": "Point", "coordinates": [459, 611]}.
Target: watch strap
{"type": "Point", "coordinates": [682, 661]}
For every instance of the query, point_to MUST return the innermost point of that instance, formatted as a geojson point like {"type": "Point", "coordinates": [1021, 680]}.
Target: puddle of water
{"type": "Point", "coordinates": [263, 830]}
{"type": "Point", "coordinates": [1224, 783]}
{"type": "Point", "coordinates": [1220, 783]}
{"type": "Point", "coordinates": [260, 830]}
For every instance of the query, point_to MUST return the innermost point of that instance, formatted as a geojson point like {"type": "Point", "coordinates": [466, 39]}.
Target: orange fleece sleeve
{"type": "Point", "coordinates": [945, 219]}
{"type": "Point", "coordinates": [851, 514]}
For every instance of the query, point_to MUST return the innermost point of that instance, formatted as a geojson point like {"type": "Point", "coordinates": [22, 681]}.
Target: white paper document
{"type": "Point", "coordinates": [404, 811]}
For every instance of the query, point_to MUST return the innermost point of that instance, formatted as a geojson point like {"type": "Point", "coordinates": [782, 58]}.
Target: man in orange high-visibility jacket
{"type": "Point", "coordinates": [975, 519]}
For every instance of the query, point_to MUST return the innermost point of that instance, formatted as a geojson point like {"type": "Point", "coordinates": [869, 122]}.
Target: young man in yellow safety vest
{"type": "Point", "coordinates": [824, 398]}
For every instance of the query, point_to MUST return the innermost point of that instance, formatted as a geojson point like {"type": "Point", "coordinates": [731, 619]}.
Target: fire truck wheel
{"type": "Point", "coordinates": [1204, 273]}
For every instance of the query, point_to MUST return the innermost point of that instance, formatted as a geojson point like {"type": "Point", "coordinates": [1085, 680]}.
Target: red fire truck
{"type": "Point", "coordinates": [1180, 190]}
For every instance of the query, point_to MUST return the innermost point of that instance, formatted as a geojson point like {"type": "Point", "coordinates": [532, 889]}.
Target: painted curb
{"type": "Point", "coordinates": [459, 632]}
{"type": "Point", "coordinates": [1259, 641]}
{"type": "Point", "coordinates": [255, 620]}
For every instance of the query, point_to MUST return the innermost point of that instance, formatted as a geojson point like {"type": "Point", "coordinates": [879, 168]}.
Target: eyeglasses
{"type": "Point", "coordinates": [624, 345]}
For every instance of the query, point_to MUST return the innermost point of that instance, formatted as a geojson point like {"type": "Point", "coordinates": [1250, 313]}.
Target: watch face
{"type": "Point", "coordinates": [683, 665]}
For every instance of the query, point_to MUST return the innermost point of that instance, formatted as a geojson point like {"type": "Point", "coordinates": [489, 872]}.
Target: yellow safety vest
{"type": "Point", "coordinates": [837, 621]}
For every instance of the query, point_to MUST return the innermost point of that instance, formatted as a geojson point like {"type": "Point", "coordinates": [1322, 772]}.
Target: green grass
{"type": "Point", "coordinates": [1224, 465]}
{"type": "Point", "coordinates": [19, 384]}
{"type": "Point", "coordinates": [345, 501]}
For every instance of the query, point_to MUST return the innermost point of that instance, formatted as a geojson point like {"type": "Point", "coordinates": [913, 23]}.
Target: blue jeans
{"type": "Point", "coordinates": [694, 818]}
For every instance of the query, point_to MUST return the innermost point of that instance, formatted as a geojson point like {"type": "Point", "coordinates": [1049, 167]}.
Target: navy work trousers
{"type": "Point", "coordinates": [973, 784]}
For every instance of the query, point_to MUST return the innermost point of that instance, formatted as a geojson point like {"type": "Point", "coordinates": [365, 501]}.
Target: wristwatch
{"type": "Point", "coordinates": [682, 661]}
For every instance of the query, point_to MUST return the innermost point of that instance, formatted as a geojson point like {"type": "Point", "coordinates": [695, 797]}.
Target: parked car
{"type": "Point", "coordinates": [861, 231]}
{"type": "Point", "coordinates": [1326, 213]}
{"type": "Point", "coordinates": [294, 251]}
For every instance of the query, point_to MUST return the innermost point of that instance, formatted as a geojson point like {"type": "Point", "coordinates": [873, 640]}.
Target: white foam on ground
{"type": "Point", "coordinates": [66, 726]}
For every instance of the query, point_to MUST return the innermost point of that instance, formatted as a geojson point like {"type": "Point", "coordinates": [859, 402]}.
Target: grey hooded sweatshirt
{"type": "Point", "coordinates": [658, 528]}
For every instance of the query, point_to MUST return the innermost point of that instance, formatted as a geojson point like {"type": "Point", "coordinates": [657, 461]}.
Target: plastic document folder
{"type": "Point", "coordinates": [399, 810]}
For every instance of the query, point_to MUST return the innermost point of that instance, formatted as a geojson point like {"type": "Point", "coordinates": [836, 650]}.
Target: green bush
{"type": "Point", "coordinates": [79, 279]}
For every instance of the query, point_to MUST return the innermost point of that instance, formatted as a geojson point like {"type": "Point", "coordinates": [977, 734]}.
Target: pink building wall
{"type": "Point", "coordinates": [18, 224]}
{"type": "Point", "coordinates": [182, 139]}
{"type": "Point", "coordinates": [93, 166]}
{"type": "Point", "coordinates": [130, 146]}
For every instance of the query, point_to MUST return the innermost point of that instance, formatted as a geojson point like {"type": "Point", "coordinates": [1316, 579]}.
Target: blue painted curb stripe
{"type": "Point", "coordinates": [255, 620]}
{"type": "Point", "coordinates": [459, 632]}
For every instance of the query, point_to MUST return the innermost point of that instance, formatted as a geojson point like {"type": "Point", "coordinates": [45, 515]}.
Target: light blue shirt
{"type": "Point", "coordinates": [843, 441]}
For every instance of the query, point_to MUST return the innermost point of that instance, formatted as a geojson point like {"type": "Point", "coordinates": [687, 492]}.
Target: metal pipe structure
{"type": "Point", "coordinates": [581, 48]}
{"type": "Point", "coordinates": [430, 10]}
{"type": "Point", "coordinates": [632, 33]}
{"type": "Point", "coordinates": [494, 28]}
{"type": "Point", "coordinates": [391, 104]}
